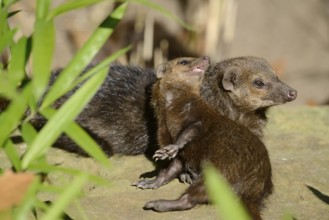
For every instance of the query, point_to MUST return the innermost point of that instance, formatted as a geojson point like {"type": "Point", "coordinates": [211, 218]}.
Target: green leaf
{"type": "Point", "coordinates": [6, 89]}
{"type": "Point", "coordinates": [19, 55]}
{"type": "Point", "coordinates": [82, 138]}
{"type": "Point", "coordinates": [23, 211]}
{"type": "Point", "coordinates": [6, 35]}
{"type": "Point", "coordinates": [84, 56]}
{"type": "Point", "coordinates": [44, 167]}
{"type": "Point", "coordinates": [28, 133]}
{"type": "Point", "coordinates": [10, 119]}
{"type": "Point", "coordinates": [50, 188]}
{"type": "Point", "coordinates": [220, 192]}
{"type": "Point", "coordinates": [69, 193]}
{"type": "Point", "coordinates": [65, 115]}
{"type": "Point", "coordinates": [43, 42]}
{"type": "Point", "coordinates": [104, 64]}
{"type": "Point", "coordinates": [12, 155]}
{"type": "Point", "coordinates": [164, 11]}
{"type": "Point", "coordinates": [42, 9]}
{"type": "Point", "coordinates": [71, 5]}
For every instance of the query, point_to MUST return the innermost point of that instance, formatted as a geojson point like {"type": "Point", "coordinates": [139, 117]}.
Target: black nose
{"type": "Point", "coordinates": [292, 95]}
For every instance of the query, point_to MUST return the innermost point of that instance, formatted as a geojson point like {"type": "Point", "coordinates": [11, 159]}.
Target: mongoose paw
{"type": "Point", "coordinates": [154, 205]}
{"type": "Point", "coordinates": [146, 184]}
{"type": "Point", "coordinates": [186, 178]}
{"type": "Point", "coordinates": [169, 152]}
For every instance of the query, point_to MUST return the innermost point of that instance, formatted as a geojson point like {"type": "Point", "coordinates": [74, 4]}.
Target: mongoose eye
{"type": "Point", "coordinates": [183, 62]}
{"type": "Point", "coordinates": [259, 83]}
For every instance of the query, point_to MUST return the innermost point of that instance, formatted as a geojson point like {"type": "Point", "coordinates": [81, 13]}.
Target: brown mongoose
{"type": "Point", "coordinates": [233, 149]}
{"type": "Point", "coordinates": [242, 89]}
{"type": "Point", "coordinates": [191, 72]}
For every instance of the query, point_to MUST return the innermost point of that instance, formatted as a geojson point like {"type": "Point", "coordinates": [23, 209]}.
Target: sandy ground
{"type": "Point", "coordinates": [297, 140]}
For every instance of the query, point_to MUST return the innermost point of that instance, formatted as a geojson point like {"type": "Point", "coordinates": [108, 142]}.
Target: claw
{"type": "Point", "coordinates": [168, 152]}
{"type": "Point", "coordinates": [146, 184]}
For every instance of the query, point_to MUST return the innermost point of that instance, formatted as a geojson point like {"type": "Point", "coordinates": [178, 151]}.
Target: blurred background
{"type": "Point", "coordinates": [292, 35]}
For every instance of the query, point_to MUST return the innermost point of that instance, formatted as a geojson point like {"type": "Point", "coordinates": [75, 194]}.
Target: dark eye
{"type": "Point", "coordinates": [183, 62]}
{"type": "Point", "coordinates": [259, 83]}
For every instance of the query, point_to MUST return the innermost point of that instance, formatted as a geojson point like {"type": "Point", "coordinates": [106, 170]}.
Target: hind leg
{"type": "Point", "coordinates": [164, 177]}
{"type": "Point", "coordinates": [195, 194]}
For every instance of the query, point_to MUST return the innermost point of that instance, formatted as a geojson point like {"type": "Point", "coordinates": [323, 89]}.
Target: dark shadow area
{"type": "Point", "coordinates": [324, 198]}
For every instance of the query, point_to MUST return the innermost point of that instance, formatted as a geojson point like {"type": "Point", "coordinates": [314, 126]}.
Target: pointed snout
{"type": "Point", "coordinates": [292, 95]}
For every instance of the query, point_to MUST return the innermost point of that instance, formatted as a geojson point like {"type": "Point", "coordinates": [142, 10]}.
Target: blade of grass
{"type": "Point", "coordinates": [10, 119]}
{"type": "Point", "coordinates": [81, 137]}
{"type": "Point", "coordinates": [44, 167]}
{"type": "Point", "coordinates": [28, 133]}
{"type": "Point", "coordinates": [50, 188]}
{"type": "Point", "coordinates": [104, 64]}
{"type": "Point", "coordinates": [69, 193]}
{"type": "Point", "coordinates": [12, 155]}
{"type": "Point", "coordinates": [65, 115]}
{"type": "Point", "coordinates": [84, 56]}
{"type": "Point", "coordinates": [19, 55]}
{"type": "Point", "coordinates": [71, 5]}
{"type": "Point", "coordinates": [23, 211]}
{"type": "Point", "coordinates": [226, 202]}
{"type": "Point", "coordinates": [42, 9]}
{"type": "Point", "coordinates": [6, 35]}
{"type": "Point", "coordinates": [43, 41]}
{"type": "Point", "coordinates": [6, 89]}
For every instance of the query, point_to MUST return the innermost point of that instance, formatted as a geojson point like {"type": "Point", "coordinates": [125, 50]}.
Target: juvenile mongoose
{"type": "Point", "coordinates": [236, 152]}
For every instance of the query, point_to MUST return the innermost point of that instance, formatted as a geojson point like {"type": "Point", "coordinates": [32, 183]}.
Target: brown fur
{"type": "Point", "coordinates": [236, 152]}
{"type": "Point", "coordinates": [230, 87]}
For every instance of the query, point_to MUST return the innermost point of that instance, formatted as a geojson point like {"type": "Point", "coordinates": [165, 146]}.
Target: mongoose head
{"type": "Point", "coordinates": [188, 70]}
{"type": "Point", "coordinates": [251, 83]}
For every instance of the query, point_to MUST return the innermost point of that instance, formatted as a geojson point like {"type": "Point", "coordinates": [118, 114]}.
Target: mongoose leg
{"type": "Point", "coordinates": [194, 195]}
{"type": "Point", "coordinates": [164, 177]}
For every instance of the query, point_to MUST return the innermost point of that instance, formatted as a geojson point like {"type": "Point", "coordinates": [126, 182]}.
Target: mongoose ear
{"type": "Point", "coordinates": [230, 78]}
{"type": "Point", "coordinates": [160, 70]}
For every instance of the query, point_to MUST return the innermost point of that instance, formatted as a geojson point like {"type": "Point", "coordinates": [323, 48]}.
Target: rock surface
{"type": "Point", "coordinates": [298, 142]}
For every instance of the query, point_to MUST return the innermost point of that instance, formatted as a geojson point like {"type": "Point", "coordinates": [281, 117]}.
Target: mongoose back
{"type": "Point", "coordinates": [119, 116]}
{"type": "Point", "coordinates": [234, 150]}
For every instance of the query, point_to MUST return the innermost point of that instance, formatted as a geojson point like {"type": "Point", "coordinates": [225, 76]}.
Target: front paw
{"type": "Point", "coordinates": [186, 178]}
{"type": "Point", "coordinates": [169, 152]}
{"type": "Point", "coordinates": [146, 184]}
